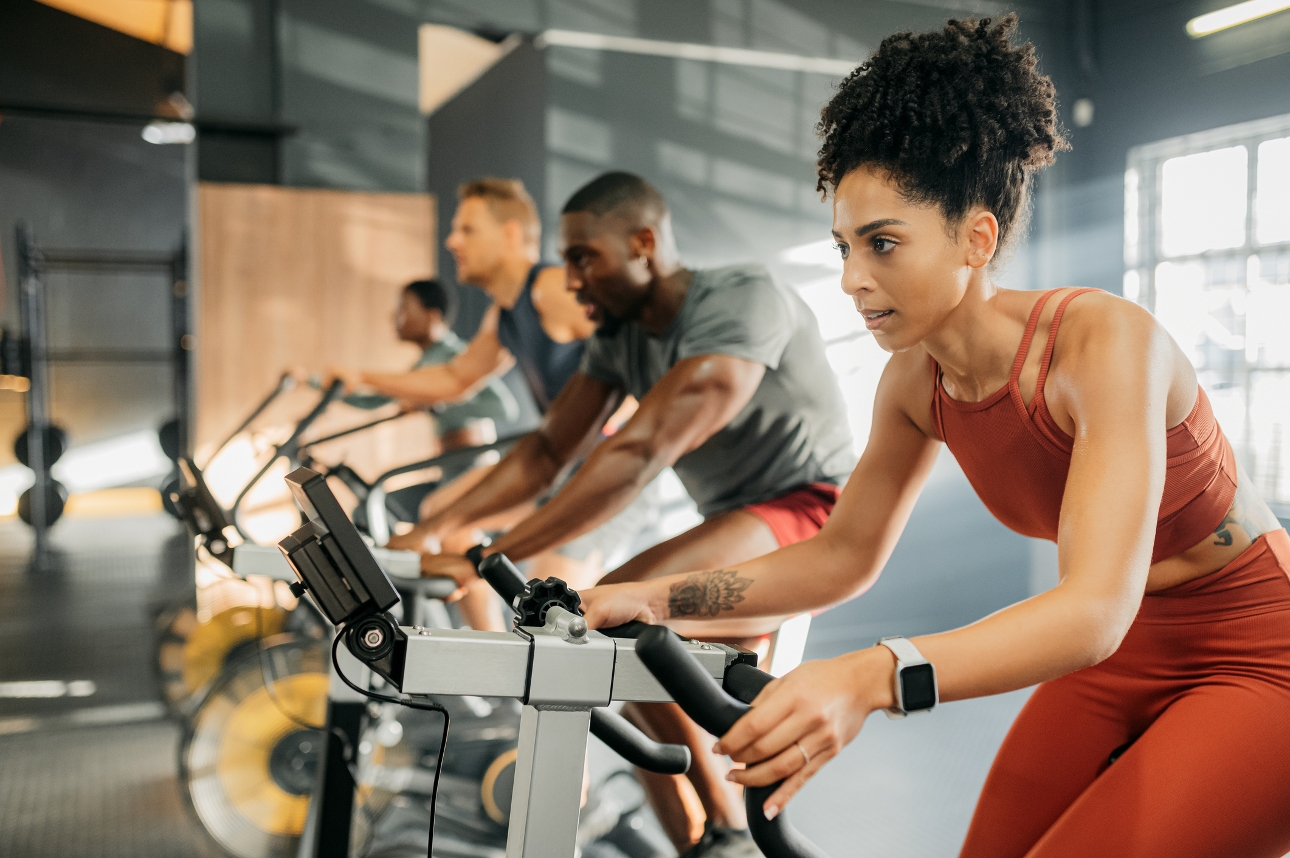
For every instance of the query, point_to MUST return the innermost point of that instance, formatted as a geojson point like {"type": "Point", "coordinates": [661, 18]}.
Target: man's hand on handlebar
{"type": "Point", "coordinates": [454, 566]}
{"type": "Point", "coordinates": [352, 379]}
{"type": "Point", "coordinates": [614, 604]}
{"type": "Point", "coordinates": [802, 720]}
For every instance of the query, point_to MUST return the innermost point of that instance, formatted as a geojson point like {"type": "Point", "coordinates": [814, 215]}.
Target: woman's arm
{"type": "Point", "coordinates": [1113, 380]}
{"type": "Point", "coordinates": [843, 559]}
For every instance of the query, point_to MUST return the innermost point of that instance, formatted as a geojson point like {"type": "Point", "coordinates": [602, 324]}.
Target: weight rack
{"type": "Point", "coordinates": [35, 357]}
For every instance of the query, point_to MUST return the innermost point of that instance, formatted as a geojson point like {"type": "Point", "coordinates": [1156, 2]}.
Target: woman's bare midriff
{"type": "Point", "coordinates": [1247, 520]}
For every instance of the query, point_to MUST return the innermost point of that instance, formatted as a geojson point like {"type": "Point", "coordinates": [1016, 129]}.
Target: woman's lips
{"type": "Point", "coordinates": [874, 319]}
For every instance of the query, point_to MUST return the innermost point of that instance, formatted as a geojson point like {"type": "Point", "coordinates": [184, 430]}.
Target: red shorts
{"type": "Point", "coordinates": [799, 514]}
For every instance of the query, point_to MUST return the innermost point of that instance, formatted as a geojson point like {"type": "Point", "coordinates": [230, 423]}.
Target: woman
{"type": "Point", "coordinates": [1077, 419]}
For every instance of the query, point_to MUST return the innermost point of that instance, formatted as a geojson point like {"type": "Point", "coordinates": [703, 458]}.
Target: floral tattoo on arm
{"type": "Point", "coordinates": [706, 594]}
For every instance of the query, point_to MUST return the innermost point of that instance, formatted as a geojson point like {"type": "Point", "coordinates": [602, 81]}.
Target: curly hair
{"type": "Point", "coordinates": [960, 117]}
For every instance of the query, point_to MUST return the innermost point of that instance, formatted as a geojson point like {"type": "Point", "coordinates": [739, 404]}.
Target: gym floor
{"type": "Point", "coordinates": [94, 776]}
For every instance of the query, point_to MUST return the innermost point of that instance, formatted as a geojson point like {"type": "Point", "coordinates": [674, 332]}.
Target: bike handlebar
{"type": "Point", "coordinates": [606, 725]}
{"type": "Point", "coordinates": [716, 711]}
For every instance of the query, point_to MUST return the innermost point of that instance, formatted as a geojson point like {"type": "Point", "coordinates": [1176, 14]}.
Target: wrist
{"type": "Point", "coordinates": [656, 596]}
{"type": "Point", "coordinates": [874, 674]}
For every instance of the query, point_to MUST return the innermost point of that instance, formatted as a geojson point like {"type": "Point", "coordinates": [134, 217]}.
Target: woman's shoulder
{"type": "Point", "coordinates": [1094, 320]}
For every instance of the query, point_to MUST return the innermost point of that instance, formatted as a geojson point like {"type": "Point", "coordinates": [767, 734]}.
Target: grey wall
{"type": "Point", "coordinates": [74, 97]}
{"type": "Point", "coordinates": [95, 185]}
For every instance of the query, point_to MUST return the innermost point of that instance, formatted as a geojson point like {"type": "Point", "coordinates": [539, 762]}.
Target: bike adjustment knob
{"type": "Point", "coordinates": [540, 596]}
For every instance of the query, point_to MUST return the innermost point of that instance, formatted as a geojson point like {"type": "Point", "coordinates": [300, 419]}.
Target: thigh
{"type": "Point", "coordinates": [1058, 745]}
{"type": "Point", "coordinates": [719, 542]}
{"type": "Point", "coordinates": [1209, 779]}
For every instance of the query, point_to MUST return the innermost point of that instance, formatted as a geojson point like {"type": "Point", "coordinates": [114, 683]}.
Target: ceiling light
{"type": "Point", "coordinates": [702, 53]}
{"type": "Point", "coordinates": [1231, 16]}
{"type": "Point", "coordinates": [161, 132]}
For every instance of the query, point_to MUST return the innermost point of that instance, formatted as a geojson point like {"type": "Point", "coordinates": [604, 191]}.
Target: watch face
{"type": "Point", "coordinates": [918, 686]}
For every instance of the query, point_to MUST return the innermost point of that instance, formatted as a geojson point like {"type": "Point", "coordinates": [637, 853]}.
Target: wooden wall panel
{"type": "Point", "coordinates": [307, 278]}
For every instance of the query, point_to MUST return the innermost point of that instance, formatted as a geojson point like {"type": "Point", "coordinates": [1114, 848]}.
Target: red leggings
{"type": "Point", "coordinates": [1201, 688]}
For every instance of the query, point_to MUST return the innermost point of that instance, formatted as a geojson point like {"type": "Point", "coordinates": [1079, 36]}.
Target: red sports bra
{"type": "Point", "coordinates": [1017, 457]}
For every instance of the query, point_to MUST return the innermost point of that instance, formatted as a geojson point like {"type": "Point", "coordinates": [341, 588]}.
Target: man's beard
{"type": "Point", "coordinates": [609, 324]}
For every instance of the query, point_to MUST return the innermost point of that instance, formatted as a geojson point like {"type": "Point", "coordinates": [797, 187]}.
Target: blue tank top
{"type": "Point", "coordinates": [545, 364]}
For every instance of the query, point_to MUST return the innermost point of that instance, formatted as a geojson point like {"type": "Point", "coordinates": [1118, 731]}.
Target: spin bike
{"type": "Point", "coordinates": [252, 740]}
{"type": "Point", "coordinates": [561, 672]}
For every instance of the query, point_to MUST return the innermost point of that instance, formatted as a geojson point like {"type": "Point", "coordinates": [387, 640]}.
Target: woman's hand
{"type": "Point", "coordinates": [614, 604]}
{"type": "Point", "coordinates": [802, 720]}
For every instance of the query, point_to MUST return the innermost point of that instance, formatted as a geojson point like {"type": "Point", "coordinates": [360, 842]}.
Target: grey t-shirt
{"type": "Point", "coordinates": [792, 432]}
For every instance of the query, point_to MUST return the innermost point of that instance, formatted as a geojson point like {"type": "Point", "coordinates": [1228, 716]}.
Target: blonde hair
{"type": "Point", "coordinates": [506, 200]}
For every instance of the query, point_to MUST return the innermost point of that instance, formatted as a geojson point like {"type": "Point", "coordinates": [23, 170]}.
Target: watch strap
{"type": "Point", "coordinates": [904, 650]}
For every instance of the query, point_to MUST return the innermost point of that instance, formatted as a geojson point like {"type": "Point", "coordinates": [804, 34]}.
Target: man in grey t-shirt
{"type": "Point", "coordinates": [793, 430]}
{"type": "Point", "coordinates": [735, 394]}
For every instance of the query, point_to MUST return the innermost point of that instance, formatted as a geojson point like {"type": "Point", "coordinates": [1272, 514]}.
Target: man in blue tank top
{"type": "Point", "coordinates": [736, 395]}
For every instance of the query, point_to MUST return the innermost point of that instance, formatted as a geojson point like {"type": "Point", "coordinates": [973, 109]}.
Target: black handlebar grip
{"type": "Point", "coordinates": [629, 629]}
{"type": "Point", "coordinates": [637, 748]}
{"type": "Point", "coordinates": [335, 389]}
{"type": "Point", "coordinates": [502, 575]}
{"type": "Point", "coordinates": [744, 682]}
{"type": "Point", "coordinates": [714, 710]}
{"type": "Point", "coordinates": [776, 838]}
{"type": "Point", "coordinates": [689, 684]}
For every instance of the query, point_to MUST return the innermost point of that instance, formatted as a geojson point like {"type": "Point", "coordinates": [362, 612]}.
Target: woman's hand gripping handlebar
{"type": "Point", "coordinates": [716, 710]}
{"type": "Point", "coordinates": [606, 725]}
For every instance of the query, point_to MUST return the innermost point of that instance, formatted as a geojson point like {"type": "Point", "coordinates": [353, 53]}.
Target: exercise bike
{"type": "Point", "coordinates": [195, 637]}
{"type": "Point", "coordinates": [562, 673]}
{"type": "Point", "coordinates": [249, 756]}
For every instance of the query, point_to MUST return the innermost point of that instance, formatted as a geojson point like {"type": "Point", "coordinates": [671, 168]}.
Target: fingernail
{"type": "Point", "coordinates": [730, 776]}
{"type": "Point", "coordinates": [771, 811]}
{"type": "Point", "coordinates": [716, 749]}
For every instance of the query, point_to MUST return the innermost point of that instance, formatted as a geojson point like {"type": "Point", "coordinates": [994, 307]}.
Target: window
{"type": "Point", "coordinates": [1207, 249]}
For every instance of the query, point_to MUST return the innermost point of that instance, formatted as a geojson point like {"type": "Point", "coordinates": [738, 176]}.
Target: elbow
{"type": "Point", "coordinates": [851, 575]}
{"type": "Point", "coordinates": [1104, 628]}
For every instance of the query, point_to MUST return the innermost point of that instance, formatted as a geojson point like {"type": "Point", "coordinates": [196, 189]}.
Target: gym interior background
{"type": "Point", "coordinates": [196, 195]}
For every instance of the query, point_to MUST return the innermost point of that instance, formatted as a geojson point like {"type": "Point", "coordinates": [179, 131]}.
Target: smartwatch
{"type": "Point", "coordinates": [915, 679]}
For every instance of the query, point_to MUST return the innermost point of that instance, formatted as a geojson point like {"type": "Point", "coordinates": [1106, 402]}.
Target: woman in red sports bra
{"type": "Point", "coordinates": [1166, 645]}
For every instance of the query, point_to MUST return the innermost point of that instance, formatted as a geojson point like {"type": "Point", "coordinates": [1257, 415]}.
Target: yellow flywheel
{"type": "Point", "coordinates": [196, 639]}
{"type": "Point", "coordinates": [250, 758]}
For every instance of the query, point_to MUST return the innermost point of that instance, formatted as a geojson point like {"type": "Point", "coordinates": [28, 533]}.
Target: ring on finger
{"type": "Point", "coordinates": [806, 758]}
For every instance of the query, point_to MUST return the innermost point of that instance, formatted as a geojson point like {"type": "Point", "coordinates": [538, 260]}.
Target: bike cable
{"type": "Point", "coordinates": [425, 706]}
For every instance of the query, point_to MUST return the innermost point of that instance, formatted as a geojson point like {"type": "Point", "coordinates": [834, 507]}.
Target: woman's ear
{"type": "Point", "coordinates": [982, 229]}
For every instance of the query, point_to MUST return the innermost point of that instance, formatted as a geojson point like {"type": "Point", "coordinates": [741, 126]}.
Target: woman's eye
{"type": "Point", "coordinates": [842, 249]}
{"type": "Point", "coordinates": [883, 245]}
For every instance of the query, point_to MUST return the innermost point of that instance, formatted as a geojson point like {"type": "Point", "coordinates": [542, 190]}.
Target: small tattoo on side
{"type": "Point", "coordinates": [707, 594]}
{"type": "Point", "coordinates": [1223, 535]}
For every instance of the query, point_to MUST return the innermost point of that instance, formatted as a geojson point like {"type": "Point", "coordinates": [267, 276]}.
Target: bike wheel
{"type": "Point", "coordinates": [250, 757]}
{"type": "Point", "coordinates": [196, 637]}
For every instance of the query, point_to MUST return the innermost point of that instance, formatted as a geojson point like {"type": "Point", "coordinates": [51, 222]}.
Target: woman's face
{"type": "Point", "coordinates": [905, 267]}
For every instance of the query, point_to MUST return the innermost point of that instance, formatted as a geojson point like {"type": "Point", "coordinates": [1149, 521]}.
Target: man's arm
{"type": "Point", "coordinates": [696, 398]}
{"type": "Point", "coordinates": [446, 382]}
{"type": "Point", "coordinates": [537, 459]}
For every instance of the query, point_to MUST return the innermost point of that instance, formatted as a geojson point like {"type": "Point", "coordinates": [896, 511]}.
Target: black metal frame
{"type": "Point", "coordinates": [33, 264]}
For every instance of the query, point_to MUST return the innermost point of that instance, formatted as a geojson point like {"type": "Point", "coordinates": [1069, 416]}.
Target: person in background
{"type": "Point", "coordinates": [535, 322]}
{"type": "Point", "coordinates": [424, 318]}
